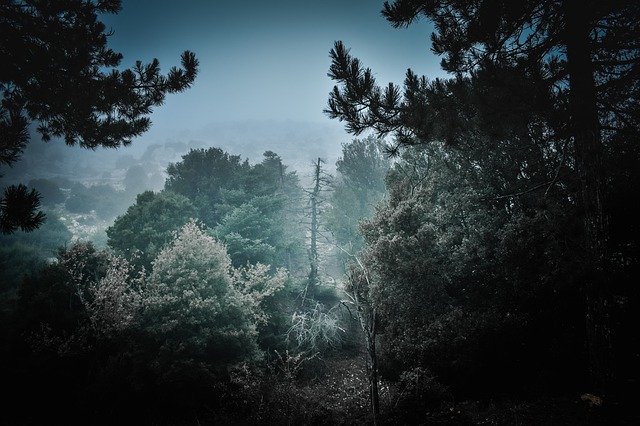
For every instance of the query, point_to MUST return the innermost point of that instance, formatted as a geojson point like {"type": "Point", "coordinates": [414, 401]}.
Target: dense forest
{"type": "Point", "coordinates": [465, 256]}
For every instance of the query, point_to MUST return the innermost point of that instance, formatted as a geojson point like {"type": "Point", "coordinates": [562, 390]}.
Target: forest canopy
{"type": "Point", "coordinates": [466, 252]}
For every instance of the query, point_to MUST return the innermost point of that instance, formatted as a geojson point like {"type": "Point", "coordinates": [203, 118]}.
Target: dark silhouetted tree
{"type": "Point", "coordinates": [583, 56]}
{"type": "Point", "coordinates": [19, 209]}
{"type": "Point", "coordinates": [58, 71]}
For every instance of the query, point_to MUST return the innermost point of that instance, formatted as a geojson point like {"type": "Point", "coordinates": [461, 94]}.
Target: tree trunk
{"type": "Point", "coordinates": [367, 318]}
{"type": "Point", "coordinates": [588, 151]}
{"type": "Point", "coordinates": [313, 250]}
{"type": "Point", "coordinates": [373, 370]}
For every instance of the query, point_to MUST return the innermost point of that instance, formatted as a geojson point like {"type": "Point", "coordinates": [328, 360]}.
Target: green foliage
{"type": "Point", "coordinates": [92, 103]}
{"type": "Point", "coordinates": [52, 303]}
{"type": "Point", "coordinates": [94, 293]}
{"type": "Point", "coordinates": [202, 175]}
{"type": "Point", "coordinates": [269, 176]}
{"type": "Point", "coordinates": [45, 240]}
{"type": "Point", "coordinates": [17, 260]}
{"type": "Point", "coordinates": [104, 199]}
{"type": "Point", "coordinates": [260, 287]}
{"type": "Point", "coordinates": [559, 73]}
{"type": "Point", "coordinates": [253, 232]}
{"type": "Point", "coordinates": [456, 266]}
{"type": "Point", "coordinates": [486, 41]}
{"type": "Point", "coordinates": [273, 295]}
{"type": "Point", "coordinates": [359, 187]}
{"type": "Point", "coordinates": [26, 253]}
{"type": "Point", "coordinates": [149, 225]}
{"type": "Point", "coordinates": [364, 164]}
{"type": "Point", "coordinates": [192, 306]}
{"type": "Point", "coordinates": [114, 302]}
{"type": "Point", "coordinates": [253, 209]}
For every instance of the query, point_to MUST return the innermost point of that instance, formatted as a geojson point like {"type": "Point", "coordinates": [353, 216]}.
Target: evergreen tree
{"type": "Point", "coordinates": [473, 289]}
{"type": "Point", "coordinates": [583, 58]}
{"type": "Point", "coordinates": [192, 307]}
{"type": "Point", "coordinates": [59, 72]}
{"type": "Point", "coordinates": [149, 225]}
{"type": "Point", "coordinates": [252, 208]}
{"type": "Point", "coordinates": [356, 191]}
{"type": "Point", "coordinates": [208, 178]}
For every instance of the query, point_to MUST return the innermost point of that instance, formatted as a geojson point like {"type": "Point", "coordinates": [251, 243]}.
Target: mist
{"type": "Point", "coordinates": [402, 212]}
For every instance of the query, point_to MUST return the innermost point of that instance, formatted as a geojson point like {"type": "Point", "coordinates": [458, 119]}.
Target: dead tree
{"type": "Point", "coordinates": [320, 182]}
{"type": "Point", "coordinates": [313, 249]}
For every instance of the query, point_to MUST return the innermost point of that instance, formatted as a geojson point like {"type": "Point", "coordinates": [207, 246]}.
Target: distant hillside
{"type": "Point", "coordinates": [297, 143]}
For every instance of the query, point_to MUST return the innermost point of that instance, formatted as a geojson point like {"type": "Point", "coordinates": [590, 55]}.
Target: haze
{"type": "Point", "coordinates": [261, 60]}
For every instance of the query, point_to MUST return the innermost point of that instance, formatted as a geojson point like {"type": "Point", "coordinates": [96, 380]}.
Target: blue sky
{"type": "Point", "coordinates": [262, 60]}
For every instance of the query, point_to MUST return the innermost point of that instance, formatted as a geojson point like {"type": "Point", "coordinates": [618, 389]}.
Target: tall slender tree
{"type": "Point", "coordinates": [314, 199]}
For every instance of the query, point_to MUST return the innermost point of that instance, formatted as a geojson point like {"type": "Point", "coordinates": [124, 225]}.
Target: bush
{"type": "Point", "coordinates": [191, 306]}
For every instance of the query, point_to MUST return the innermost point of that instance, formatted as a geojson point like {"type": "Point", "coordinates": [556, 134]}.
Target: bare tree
{"type": "Point", "coordinates": [321, 181]}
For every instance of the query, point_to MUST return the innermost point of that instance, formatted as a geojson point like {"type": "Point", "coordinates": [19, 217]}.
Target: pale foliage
{"type": "Point", "coordinates": [257, 284]}
{"type": "Point", "coordinates": [74, 262]}
{"type": "Point", "coordinates": [111, 302]}
{"type": "Point", "coordinates": [189, 281]}
{"type": "Point", "coordinates": [314, 330]}
{"type": "Point", "coordinates": [115, 300]}
{"type": "Point", "coordinates": [191, 302]}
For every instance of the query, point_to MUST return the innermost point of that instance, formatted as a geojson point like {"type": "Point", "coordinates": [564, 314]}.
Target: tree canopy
{"type": "Point", "coordinates": [472, 258]}
{"type": "Point", "coordinates": [149, 225]}
{"type": "Point", "coordinates": [252, 208]}
{"type": "Point", "coordinates": [359, 186]}
{"type": "Point", "coordinates": [192, 305]}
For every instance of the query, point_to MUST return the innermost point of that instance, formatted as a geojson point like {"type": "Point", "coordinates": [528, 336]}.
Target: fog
{"type": "Point", "coordinates": [292, 212]}
{"type": "Point", "coordinates": [262, 84]}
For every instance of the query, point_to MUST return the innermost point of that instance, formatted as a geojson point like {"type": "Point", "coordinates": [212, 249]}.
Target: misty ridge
{"type": "Point", "coordinates": [326, 218]}
{"type": "Point", "coordinates": [298, 143]}
{"type": "Point", "coordinates": [122, 174]}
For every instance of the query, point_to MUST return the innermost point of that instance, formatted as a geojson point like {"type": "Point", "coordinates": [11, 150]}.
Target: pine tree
{"type": "Point", "coordinates": [58, 71]}
{"type": "Point", "coordinates": [584, 59]}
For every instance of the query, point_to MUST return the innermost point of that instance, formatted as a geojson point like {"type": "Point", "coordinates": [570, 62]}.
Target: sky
{"type": "Point", "coordinates": [261, 60]}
